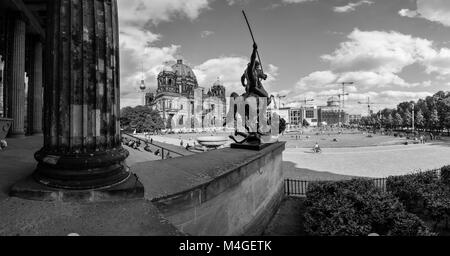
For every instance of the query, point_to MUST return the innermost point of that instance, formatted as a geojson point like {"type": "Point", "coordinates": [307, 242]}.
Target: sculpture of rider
{"type": "Point", "coordinates": [251, 79]}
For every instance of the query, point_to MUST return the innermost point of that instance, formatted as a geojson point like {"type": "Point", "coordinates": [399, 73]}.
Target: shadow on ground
{"type": "Point", "coordinates": [290, 171]}
{"type": "Point", "coordinates": [289, 219]}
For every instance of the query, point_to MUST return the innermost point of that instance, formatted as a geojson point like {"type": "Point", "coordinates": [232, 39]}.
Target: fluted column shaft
{"type": "Point", "coordinates": [17, 86]}
{"type": "Point", "coordinates": [82, 146]}
{"type": "Point", "coordinates": [35, 100]}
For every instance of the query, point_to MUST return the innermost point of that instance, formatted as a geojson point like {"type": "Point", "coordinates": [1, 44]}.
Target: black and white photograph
{"type": "Point", "coordinates": [194, 119]}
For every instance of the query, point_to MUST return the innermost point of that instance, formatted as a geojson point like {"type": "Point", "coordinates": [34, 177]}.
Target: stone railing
{"type": "Point", "coordinates": [222, 192]}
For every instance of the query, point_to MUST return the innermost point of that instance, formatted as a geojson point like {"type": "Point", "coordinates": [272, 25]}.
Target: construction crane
{"type": "Point", "coordinates": [304, 101]}
{"type": "Point", "coordinates": [369, 105]}
{"type": "Point", "coordinates": [344, 93]}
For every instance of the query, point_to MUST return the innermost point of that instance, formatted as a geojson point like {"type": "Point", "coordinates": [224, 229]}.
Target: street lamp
{"type": "Point", "coordinates": [413, 105]}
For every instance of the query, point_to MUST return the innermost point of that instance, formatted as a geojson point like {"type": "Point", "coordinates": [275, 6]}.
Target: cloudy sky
{"type": "Point", "coordinates": [393, 50]}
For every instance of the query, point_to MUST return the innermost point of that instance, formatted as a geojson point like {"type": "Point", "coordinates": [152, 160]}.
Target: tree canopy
{"type": "Point", "coordinates": [141, 119]}
{"type": "Point", "coordinates": [432, 113]}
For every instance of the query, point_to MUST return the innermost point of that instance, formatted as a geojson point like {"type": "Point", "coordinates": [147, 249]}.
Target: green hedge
{"type": "Point", "coordinates": [445, 174]}
{"type": "Point", "coordinates": [357, 208]}
{"type": "Point", "coordinates": [425, 194]}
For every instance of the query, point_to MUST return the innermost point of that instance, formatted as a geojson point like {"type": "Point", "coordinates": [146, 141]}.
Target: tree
{"type": "Point", "coordinates": [398, 120]}
{"type": "Point", "coordinates": [433, 122]}
{"type": "Point", "coordinates": [447, 122]}
{"type": "Point", "coordinates": [141, 119]}
{"type": "Point", "coordinates": [390, 120]}
{"type": "Point", "coordinates": [407, 119]}
{"type": "Point", "coordinates": [419, 120]}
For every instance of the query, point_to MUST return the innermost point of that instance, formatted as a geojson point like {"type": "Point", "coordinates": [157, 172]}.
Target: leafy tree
{"type": "Point", "coordinates": [433, 122]}
{"type": "Point", "coordinates": [407, 119]}
{"type": "Point", "coordinates": [447, 122]}
{"type": "Point", "coordinates": [305, 123]}
{"type": "Point", "coordinates": [141, 119]}
{"type": "Point", "coordinates": [419, 120]}
{"type": "Point", "coordinates": [390, 120]}
{"type": "Point", "coordinates": [398, 120]}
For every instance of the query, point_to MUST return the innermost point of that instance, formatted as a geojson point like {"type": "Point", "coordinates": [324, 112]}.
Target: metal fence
{"type": "Point", "coordinates": [299, 187]}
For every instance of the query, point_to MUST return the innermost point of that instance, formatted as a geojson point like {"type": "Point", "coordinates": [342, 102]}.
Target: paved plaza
{"type": "Point", "coordinates": [377, 162]}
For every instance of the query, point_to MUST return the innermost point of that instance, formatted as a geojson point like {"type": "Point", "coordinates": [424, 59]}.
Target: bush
{"type": "Point", "coordinates": [445, 175]}
{"type": "Point", "coordinates": [358, 208]}
{"type": "Point", "coordinates": [410, 188]}
{"type": "Point", "coordinates": [423, 193]}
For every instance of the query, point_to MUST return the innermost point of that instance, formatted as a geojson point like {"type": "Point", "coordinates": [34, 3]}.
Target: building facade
{"type": "Point", "coordinates": [328, 115]}
{"type": "Point", "coordinates": [183, 104]}
{"type": "Point", "coordinates": [332, 114]}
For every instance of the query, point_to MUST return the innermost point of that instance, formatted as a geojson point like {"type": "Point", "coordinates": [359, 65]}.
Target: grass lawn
{"type": "Point", "coordinates": [326, 140]}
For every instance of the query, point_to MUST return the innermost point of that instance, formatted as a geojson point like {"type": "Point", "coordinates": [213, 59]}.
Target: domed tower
{"type": "Point", "coordinates": [167, 80]}
{"type": "Point", "coordinates": [217, 90]}
{"type": "Point", "coordinates": [186, 81]}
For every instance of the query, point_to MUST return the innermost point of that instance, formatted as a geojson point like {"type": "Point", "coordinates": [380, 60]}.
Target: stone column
{"type": "Point", "coordinates": [35, 87]}
{"type": "Point", "coordinates": [16, 108]}
{"type": "Point", "coordinates": [82, 145]}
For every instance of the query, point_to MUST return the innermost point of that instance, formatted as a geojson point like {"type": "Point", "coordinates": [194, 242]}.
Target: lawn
{"type": "Point", "coordinates": [335, 140]}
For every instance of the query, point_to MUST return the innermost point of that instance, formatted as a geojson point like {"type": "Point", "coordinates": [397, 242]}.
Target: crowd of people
{"type": "Point", "coordinates": [136, 145]}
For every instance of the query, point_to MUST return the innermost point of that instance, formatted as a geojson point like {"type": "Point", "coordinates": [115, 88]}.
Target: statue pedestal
{"type": "Point", "coordinates": [250, 146]}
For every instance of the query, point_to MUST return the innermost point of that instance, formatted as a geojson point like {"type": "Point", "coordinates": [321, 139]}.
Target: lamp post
{"type": "Point", "coordinates": [413, 117]}
{"type": "Point", "coordinates": [343, 100]}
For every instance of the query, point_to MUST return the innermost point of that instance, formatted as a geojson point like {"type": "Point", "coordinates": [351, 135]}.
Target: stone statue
{"type": "Point", "coordinates": [251, 79]}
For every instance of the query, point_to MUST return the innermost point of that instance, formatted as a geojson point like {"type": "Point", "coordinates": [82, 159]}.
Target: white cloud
{"type": "Point", "coordinates": [296, 1]}
{"type": "Point", "coordinates": [206, 33]}
{"type": "Point", "coordinates": [137, 51]}
{"type": "Point", "coordinates": [137, 42]}
{"type": "Point", "coordinates": [230, 70]}
{"type": "Point", "coordinates": [378, 51]}
{"type": "Point", "coordinates": [408, 13]}
{"type": "Point", "coordinates": [138, 12]}
{"type": "Point", "coordinates": [439, 62]}
{"type": "Point", "coordinates": [320, 80]}
{"type": "Point", "coordinates": [432, 10]}
{"type": "Point", "coordinates": [317, 79]}
{"type": "Point", "coordinates": [233, 2]}
{"type": "Point", "coordinates": [351, 6]}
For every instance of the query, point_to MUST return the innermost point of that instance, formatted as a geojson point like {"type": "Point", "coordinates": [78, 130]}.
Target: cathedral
{"type": "Point", "coordinates": [183, 104]}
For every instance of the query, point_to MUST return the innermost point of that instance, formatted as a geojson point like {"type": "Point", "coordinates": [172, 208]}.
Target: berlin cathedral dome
{"type": "Point", "coordinates": [178, 78]}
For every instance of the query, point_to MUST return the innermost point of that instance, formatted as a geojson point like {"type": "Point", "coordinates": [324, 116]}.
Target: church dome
{"type": "Point", "coordinates": [217, 83]}
{"type": "Point", "coordinates": [167, 68]}
{"type": "Point", "coordinates": [183, 70]}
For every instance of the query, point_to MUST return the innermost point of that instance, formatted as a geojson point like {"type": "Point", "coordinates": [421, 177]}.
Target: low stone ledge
{"type": "Point", "coordinates": [222, 192]}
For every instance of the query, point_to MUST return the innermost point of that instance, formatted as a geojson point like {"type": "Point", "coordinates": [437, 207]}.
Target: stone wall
{"type": "Point", "coordinates": [239, 202]}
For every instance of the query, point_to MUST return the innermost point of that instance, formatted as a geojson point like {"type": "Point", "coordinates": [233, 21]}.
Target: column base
{"type": "Point", "coordinates": [30, 189]}
{"type": "Point", "coordinates": [82, 171]}
{"type": "Point", "coordinates": [17, 135]}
